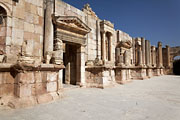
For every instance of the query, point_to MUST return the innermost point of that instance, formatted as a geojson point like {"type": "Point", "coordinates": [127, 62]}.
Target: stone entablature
{"type": "Point", "coordinates": [71, 29]}
{"type": "Point", "coordinates": [105, 23]}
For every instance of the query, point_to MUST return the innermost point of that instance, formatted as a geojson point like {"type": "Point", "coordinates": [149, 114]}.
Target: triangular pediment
{"type": "Point", "coordinates": [71, 23]}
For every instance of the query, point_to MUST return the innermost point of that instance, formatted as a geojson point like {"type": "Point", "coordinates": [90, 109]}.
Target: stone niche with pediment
{"type": "Point", "coordinates": [107, 33]}
{"type": "Point", "coordinates": [70, 29]}
{"type": "Point", "coordinates": [123, 53]}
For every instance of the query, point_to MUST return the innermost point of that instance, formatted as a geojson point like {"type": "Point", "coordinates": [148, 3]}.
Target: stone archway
{"type": "Point", "coordinates": [3, 31]}
{"type": "Point", "coordinates": [5, 28]}
{"type": "Point", "coordinates": [175, 63]}
{"type": "Point", "coordinates": [6, 8]}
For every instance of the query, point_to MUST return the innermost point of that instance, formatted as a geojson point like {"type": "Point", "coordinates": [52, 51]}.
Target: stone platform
{"type": "Point", "coordinates": [23, 85]}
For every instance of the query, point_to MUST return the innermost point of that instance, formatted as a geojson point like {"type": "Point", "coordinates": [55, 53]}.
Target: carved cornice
{"type": "Point", "coordinates": [108, 23]}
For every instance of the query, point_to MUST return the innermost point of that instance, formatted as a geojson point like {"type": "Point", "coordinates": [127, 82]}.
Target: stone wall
{"type": "Point", "coordinates": [99, 77]}
{"type": "Point", "coordinates": [6, 84]}
{"type": "Point", "coordinates": [122, 75]}
{"type": "Point", "coordinates": [24, 24]}
{"type": "Point", "coordinates": [19, 83]}
{"type": "Point", "coordinates": [138, 73]}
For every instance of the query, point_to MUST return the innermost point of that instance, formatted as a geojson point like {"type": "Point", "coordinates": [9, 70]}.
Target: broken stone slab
{"type": "Point", "coordinates": [25, 59]}
{"type": "Point", "coordinates": [90, 63]}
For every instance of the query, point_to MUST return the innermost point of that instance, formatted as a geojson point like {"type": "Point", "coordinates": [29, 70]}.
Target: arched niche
{"type": "Point", "coordinates": [6, 8]}
{"type": "Point", "coordinates": [108, 45]}
{"type": "Point", "coordinates": [3, 29]}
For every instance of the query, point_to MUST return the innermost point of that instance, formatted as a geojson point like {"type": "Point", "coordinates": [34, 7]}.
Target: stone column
{"type": "Point", "coordinates": [139, 57]}
{"type": "Point", "coordinates": [120, 60]}
{"type": "Point", "coordinates": [103, 46]}
{"type": "Point", "coordinates": [150, 59]}
{"type": "Point", "coordinates": [143, 51]}
{"type": "Point", "coordinates": [110, 48]}
{"type": "Point", "coordinates": [153, 48]}
{"type": "Point", "coordinates": [68, 73]}
{"type": "Point", "coordinates": [98, 39]}
{"type": "Point", "coordinates": [147, 52]}
{"type": "Point", "coordinates": [160, 59]}
{"type": "Point", "coordinates": [49, 29]}
{"type": "Point", "coordinates": [117, 54]}
{"type": "Point", "coordinates": [126, 58]}
{"type": "Point", "coordinates": [81, 66]}
{"type": "Point", "coordinates": [168, 55]}
{"type": "Point", "coordinates": [155, 57]}
{"type": "Point", "coordinates": [60, 80]}
{"type": "Point", "coordinates": [134, 51]}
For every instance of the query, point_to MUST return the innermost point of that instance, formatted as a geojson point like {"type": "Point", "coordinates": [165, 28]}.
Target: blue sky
{"type": "Point", "coordinates": [156, 20]}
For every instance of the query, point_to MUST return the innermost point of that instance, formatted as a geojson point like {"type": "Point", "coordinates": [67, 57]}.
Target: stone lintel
{"type": "Point", "coordinates": [108, 23]}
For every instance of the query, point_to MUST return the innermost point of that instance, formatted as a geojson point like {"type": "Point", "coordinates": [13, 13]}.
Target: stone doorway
{"type": "Point", "coordinates": [70, 63]}
{"type": "Point", "coordinates": [72, 31]}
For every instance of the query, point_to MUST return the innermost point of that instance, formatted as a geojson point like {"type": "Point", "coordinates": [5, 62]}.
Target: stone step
{"type": "Point", "coordinates": [69, 86]}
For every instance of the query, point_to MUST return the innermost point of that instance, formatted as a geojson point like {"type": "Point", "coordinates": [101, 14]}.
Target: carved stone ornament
{"type": "Point", "coordinates": [25, 57]}
{"type": "Point", "coordinates": [58, 44]}
{"type": "Point", "coordinates": [125, 44]}
{"type": "Point", "coordinates": [89, 10]}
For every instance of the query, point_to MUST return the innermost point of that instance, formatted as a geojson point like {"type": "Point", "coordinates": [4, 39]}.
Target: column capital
{"type": "Point", "coordinates": [159, 43]}
{"type": "Point", "coordinates": [142, 38]}
{"type": "Point", "coordinates": [167, 46]}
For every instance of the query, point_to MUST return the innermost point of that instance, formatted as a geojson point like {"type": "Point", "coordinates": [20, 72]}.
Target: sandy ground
{"type": "Point", "coordinates": [157, 98]}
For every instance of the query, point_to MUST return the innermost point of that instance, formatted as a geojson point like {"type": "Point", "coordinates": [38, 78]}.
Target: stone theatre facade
{"type": "Point", "coordinates": [45, 44]}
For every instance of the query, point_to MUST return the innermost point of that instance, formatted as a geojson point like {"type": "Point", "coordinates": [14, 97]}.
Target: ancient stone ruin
{"type": "Point", "coordinates": [45, 44]}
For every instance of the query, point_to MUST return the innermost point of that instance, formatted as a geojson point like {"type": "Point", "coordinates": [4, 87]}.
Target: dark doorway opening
{"type": "Point", "coordinates": [176, 67]}
{"type": "Point", "coordinates": [70, 62]}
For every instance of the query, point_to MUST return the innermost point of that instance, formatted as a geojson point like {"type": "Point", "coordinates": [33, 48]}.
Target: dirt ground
{"type": "Point", "coordinates": [157, 98]}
